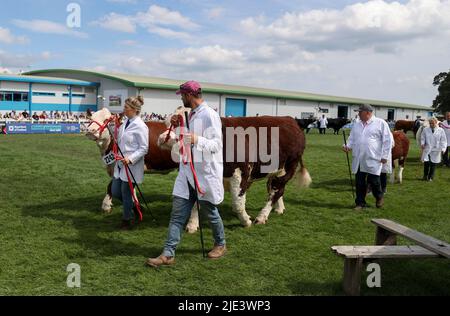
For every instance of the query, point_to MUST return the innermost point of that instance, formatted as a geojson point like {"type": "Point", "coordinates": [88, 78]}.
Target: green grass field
{"type": "Point", "coordinates": [51, 191]}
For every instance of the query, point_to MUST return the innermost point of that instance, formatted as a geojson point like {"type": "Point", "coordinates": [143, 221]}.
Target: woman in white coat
{"type": "Point", "coordinates": [434, 144]}
{"type": "Point", "coordinates": [133, 141]}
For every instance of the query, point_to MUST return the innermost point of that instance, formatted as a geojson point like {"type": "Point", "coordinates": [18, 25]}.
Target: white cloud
{"type": "Point", "coordinates": [207, 57]}
{"type": "Point", "coordinates": [156, 20]}
{"type": "Point", "coordinates": [375, 23]}
{"type": "Point", "coordinates": [157, 15]}
{"type": "Point", "coordinates": [8, 38]}
{"type": "Point", "coordinates": [117, 22]}
{"type": "Point", "coordinates": [21, 61]}
{"type": "Point", "coordinates": [48, 27]}
{"type": "Point", "coordinates": [5, 71]}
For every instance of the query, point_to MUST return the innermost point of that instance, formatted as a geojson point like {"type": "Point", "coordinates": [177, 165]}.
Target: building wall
{"type": "Point", "coordinates": [48, 97]}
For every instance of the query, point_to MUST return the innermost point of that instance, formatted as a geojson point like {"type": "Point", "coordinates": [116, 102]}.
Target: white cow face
{"type": "Point", "coordinates": [98, 118]}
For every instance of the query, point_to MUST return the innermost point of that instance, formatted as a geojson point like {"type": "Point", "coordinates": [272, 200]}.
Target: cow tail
{"type": "Point", "coordinates": [303, 178]}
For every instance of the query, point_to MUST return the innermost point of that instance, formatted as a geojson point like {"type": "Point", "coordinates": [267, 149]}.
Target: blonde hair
{"type": "Point", "coordinates": [135, 103]}
{"type": "Point", "coordinates": [433, 119]}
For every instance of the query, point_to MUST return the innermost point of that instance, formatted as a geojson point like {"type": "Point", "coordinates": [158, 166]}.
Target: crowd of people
{"type": "Point", "coordinates": [63, 116]}
{"type": "Point", "coordinates": [43, 116]}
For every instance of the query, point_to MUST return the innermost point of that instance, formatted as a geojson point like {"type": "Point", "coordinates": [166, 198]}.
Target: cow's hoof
{"type": "Point", "coordinates": [191, 229]}
{"type": "Point", "coordinates": [247, 224]}
{"type": "Point", "coordinates": [260, 221]}
{"type": "Point", "coordinates": [280, 211]}
{"type": "Point", "coordinates": [107, 211]}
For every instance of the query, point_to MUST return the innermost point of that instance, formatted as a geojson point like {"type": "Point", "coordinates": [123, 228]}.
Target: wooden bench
{"type": "Point", "coordinates": [386, 240]}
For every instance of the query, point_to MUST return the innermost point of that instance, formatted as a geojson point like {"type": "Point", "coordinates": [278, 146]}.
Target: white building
{"type": "Point", "coordinates": [37, 94]}
{"type": "Point", "coordinates": [160, 97]}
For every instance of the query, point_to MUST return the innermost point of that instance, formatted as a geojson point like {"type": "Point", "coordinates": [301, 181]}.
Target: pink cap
{"type": "Point", "coordinates": [190, 87]}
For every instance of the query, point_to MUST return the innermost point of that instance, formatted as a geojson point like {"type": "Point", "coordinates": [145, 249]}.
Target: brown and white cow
{"type": "Point", "coordinates": [399, 155]}
{"type": "Point", "coordinates": [238, 176]}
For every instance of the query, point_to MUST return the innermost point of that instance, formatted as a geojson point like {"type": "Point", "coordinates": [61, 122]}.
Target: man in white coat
{"type": "Point", "coordinates": [206, 136]}
{"type": "Point", "coordinates": [370, 143]}
{"type": "Point", "coordinates": [323, 123]}
{"type": "Point", "coordinates": [446, 126]}
{"type": "Point", "coordinates": [434, 144]}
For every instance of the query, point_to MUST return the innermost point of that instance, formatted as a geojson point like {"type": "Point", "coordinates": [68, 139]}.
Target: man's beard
{"type": "Point", "coordinates": [187, 104]}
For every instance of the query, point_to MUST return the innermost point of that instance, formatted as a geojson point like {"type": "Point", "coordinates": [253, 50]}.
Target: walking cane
{"type": "Point", "coordinates": [348, 163]}
{"type": "Point", "coordinates": [196, 192]}
{"type": "Point", "coordinates": [132, 175]}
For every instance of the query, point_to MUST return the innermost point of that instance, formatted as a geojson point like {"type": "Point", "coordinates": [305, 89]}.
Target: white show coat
{"type": "Point", "coordinates": [446, 127]}
{"type": "Point", "coordinates": [133, 142]}
{"type": "Point", "coordinates": [435, 144]}
{"type": "Point", "coordinates": [370, 144]}
{"type": "Point", "coordinates": [323, 122]}
{"type": "Point", "coordinates": [387, 167]}
{"type": "Point", "coordinates": [208, 159]}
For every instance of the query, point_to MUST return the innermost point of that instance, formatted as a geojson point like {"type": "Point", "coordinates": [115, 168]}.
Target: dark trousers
{"type": "Point", "coordinates": [383, 181]}
{"type": "Point", "coordinates": [362, 181]}
{"type": "Point", "coordinates": [322, 130]}
{"type": "Point", "coordinates": [446, 158]}
{"type": "Point", "coordinates": [429, 170]}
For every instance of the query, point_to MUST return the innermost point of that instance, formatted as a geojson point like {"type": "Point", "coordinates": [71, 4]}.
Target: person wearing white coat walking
{"type": "Point", "coordinates": [446, 126]}
{"type": "Point", "coordinates": [371, 145]}
{"type": "Point", "coordinates": [206, 136]}
{"type": "Point", "coordinates": [133, 141]}
{"type": "Point", "coordinates": [434, 144]}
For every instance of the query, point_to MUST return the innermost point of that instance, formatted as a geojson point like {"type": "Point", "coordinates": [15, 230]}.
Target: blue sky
{"type": "Point", "coordinates": [373, 49]}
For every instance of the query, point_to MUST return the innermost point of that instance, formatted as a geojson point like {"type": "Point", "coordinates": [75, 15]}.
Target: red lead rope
{"type": "Point", "coordinates": [185, 153]}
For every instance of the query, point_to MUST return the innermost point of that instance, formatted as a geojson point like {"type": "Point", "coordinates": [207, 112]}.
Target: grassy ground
{"type": "Point", "coordinates": [51, 191]}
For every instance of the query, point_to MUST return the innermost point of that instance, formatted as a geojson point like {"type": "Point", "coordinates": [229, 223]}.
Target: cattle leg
{"type": "Point", "coordinates": [238, 198]}
{"type": "Point", "coordinates": [279, 206]}
{"type": "Point", "coordinates": [107, 201]}
{"type": "Point", "coordinates": [394, 166]}
{"type": "Point", "coordinates": [400, 170]}
{"type": "Point", "coordinates": [263, 216]}
{"type": "Point", "coordinates": [192, 225]}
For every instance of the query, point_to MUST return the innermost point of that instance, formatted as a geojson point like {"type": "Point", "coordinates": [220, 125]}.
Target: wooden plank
{"type": "Point", "coordinates": [380, 252]}
{"type": "Point", "coordinates": [385, 238]}
{"type": "Point", "coordinates": [352, 276]}
{"type": "Point", "coordinates": [430, 243]}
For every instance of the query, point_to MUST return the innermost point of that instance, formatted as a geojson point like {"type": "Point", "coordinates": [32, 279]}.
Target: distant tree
{"type": "Point", "coordinates": [442, 102]}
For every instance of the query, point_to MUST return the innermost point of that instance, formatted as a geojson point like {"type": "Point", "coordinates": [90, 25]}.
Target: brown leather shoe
{"type": "Point", "coordinates": [217, 252]}
{"type": "Point", "coordinates": [380, 203]}
{"type": "Point", "coordinates": [126, 225]}
{"type": "Point", "coordinates": [160, 261]}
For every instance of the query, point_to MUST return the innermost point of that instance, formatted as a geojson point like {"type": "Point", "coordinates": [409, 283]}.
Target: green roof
{"type": "Point", "coordinates": [170, 84]}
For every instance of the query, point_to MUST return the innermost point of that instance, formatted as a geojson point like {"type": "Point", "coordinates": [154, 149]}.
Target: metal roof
{"type": "Point", "coordinates": [170, 84]}
{"type": "Point", "coordinates": [48, 80]}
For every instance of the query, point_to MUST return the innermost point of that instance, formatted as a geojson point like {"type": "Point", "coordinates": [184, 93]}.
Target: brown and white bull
{"type": "Point", "coordinates": [238, 176]}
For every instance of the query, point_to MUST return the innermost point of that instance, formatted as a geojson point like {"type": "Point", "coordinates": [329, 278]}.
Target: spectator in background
{"type": "Point", "coordinates": [446, 126]}
{"type": "Point", "coordinates": [35, 116]}
{"type": "Point", "coordinates": [434, 143]}
{"type": "Point", "coordinates": [25, 114]}
{"type": "Point", "coordinates": [323, 123]}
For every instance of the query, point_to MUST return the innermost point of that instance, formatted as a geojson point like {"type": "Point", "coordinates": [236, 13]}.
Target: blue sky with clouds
{"type": "Point", "coordinates": [378, 49]}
